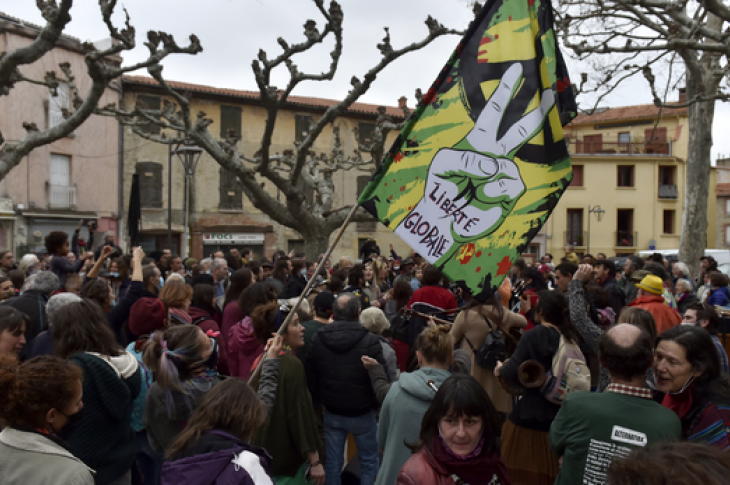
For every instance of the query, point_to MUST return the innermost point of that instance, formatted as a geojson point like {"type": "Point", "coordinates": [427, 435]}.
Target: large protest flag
{"type": "Point", "coordinates": [482, 162]}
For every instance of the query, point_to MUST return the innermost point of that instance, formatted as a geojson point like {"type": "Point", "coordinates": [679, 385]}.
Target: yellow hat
{"type": "Point", "coordinates": [652, 284]}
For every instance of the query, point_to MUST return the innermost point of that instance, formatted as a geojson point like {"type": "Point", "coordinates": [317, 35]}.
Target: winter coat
{"type": "Point", "coordinates": [164, 423]}
{"type": "Point", "coordinates": [232, 314]}
{"type": "Point", "coordinates": [473, 325]}
{"type": "Point", "coordinates": [719, 296]}
{"type": "Point", "coordinates": [423, 469]}
{"type": "Point", "coordinates": [335, 374]}
{"type": "Point", "coordinates": [104, 440]}
{"type": "Point", "coordinates": [27, 457]}
{"type": "Point", "coordinates": [664, 316]}
{"type": "Point", "coordinates": [391, 364]}
{"type": "Point", "coordinates": [218, 458]}
{"type": "Point", "coordinates": [400, 418]}
{"type": "Point", "coordinates": [685, 301]}
{"type": "Point", "coordinates": [203, 319]}
{"type": "Point", "coordinates": [243, 349]}
{"type": "Point", "coordinates": [295, 286]}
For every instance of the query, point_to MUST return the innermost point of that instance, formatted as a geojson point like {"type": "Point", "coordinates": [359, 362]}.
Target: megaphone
{"type": "Point", "coordinates": [531, 374]}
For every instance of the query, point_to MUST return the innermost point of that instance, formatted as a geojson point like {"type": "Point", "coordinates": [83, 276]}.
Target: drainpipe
{"type": "Point", "coordinates": [120, 200]}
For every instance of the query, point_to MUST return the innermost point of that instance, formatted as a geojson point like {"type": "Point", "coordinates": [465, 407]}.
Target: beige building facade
{"type": "Point", "coordinates": [73, 178]}
{"type": "Point", "coordinates": [220, 215]}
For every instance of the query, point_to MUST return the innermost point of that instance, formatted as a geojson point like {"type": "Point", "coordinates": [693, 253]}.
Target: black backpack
{"type": "Point", "coordinates": [492, 350]}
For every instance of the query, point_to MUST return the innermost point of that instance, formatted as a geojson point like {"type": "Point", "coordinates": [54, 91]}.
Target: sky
{"type": "Point", "coordinates": [232, 32]}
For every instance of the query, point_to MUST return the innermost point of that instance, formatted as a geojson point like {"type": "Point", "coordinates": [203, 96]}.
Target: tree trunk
{"type": "Point", "coordinates": [315, 243]}
{"type": "Point", "coordinates": [693, 240]}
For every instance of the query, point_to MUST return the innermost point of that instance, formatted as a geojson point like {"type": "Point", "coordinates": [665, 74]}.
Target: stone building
{"type": "Point", "coordinates": [71, 179]}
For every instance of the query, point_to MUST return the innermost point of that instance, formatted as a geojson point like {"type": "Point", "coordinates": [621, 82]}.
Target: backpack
{"type": "Point", "coordinates": [569, 373]}
{"type": "Point", "coordinates": [492, 350]}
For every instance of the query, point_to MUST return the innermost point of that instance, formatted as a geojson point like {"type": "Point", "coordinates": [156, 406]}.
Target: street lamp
{"type": "Point", "coordinates": [599, 215]}
{"type": "Point", "coordinates": [189, 155]}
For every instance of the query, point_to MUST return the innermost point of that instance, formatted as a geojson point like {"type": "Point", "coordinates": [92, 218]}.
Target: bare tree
{"type": "Point", "coordinates": [671, 43]}
{"type": "Point", "coordinates": [299, 171]}
{"type": "Point", "coordinates": [100, 68]}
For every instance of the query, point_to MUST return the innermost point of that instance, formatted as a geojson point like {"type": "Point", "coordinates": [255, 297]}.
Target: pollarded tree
{"type": "Point", "coordinates": [101, 68]}
{"type": "Point", "coordinates": [297, 172]}
{"type": "Point", "coordinates": [671, 43]}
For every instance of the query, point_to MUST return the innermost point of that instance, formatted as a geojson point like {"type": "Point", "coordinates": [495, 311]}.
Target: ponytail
{"type": "Point", "coordinates": [173, 355]}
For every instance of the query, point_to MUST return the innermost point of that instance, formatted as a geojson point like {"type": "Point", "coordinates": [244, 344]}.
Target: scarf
{"type": "Point", "coordinates": [476, 468]}
{"type": "Point", "coordinates": [680, 403]}
{"type": "Point", "coordinates": [181, 314]}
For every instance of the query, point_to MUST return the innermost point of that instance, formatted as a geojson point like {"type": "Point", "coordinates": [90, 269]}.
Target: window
{"type": "Point", "coordinates": [624, 138]}
{"type": "Point", "coordinates": [667, 185]}
{"type": "Point", "coordinates": [727, 235]}
{"type": "Point", "coordinates": [365, 133]}
{"type": "Point", "coordinates": [577, 176]}
{"type": "Point", "coordinates": [58, 104]}
{"type": "Point", "coordinates": [302, 124]}
{"type": "Point", "coordinates": [230, 121]}
{"type": "Point", "coordinates": [150, 184]}
{"type": "Point", "coordinates": [625, 227]}
{"type": "Point", "coordinates": [668, 222]}
{"type": "Point", "coordinates": [625, 176]}
{"type": "Point", "coordinates": [362, 182]}
{"type": "Point", "coordinates": [574, 229]}
{"type": "Point", "coordinates": [296, 245]}
{"type": "Point", "coordinates": [656, 141]}
{"type": "Point", "coordinates": [727, 206]}
{"type": "Point", "coordinates": [60, 170]}
{"type": "Point", "coordinates": [145, 102]}
{"type": "Point", "coordinates": [231, 194]}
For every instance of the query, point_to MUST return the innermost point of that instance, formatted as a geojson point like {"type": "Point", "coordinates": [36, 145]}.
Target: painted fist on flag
{"type": "Point", "coordinates": [472, 188]}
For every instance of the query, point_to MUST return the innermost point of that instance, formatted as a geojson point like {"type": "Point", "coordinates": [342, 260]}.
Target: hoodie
{"type": "Point", "coordinates": [243, 348]}
{"type": "Point", "coordinates": [335, 374]}
{"type": "Point", "coordinates": [400, 418]}
{"type": "Point", "coordinates": [218, 458]}
{"type": "Point", "coordinates": [104, 439]}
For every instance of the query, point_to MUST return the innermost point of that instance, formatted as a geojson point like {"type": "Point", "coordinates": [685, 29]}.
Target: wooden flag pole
{"type": "Point", "coordinates": [310, 283]}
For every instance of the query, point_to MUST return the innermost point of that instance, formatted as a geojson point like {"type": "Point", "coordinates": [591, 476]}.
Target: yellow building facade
{"type": "Point", "coordinates": [627, 193]}
{"type": "Point", "coordinates": [220, 215]}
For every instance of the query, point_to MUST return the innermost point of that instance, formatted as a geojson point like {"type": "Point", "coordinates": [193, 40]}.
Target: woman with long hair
{"type": "Point", "coordinates": [118, 275]}
{"type": "Point", "coordinates": [13, 323]}
{"type": "Point", "coordinates": [214, 446]}
{"type": "Point", "coordinates": [244, 342]}
{"type": "Point", "coordinates": [470, 330]}
{"type": "Point", "coordinates": [177, 296]}
{"type": "Point", "coordinates": [689, 381]}
{"type": "Point", "coordinates": [104, 439]}
{"type": "Point", "coordinates": [459, 439]}
{"type": "Point", "coordinates": [290, 434]}
{"type": "Point", "coordinates": [525, 435]}
{"type": "Point", "coordinates": [42, 403]}
{"type": "Point", "coordinates": [398, 300]}
{"type": "Point", "coordinates": [408, 398]}
{"type": "Point", "coordinates": [183, 359]}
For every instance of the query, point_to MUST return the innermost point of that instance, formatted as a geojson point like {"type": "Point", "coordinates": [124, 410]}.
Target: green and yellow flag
{"type": "Point", "coordinates": [482, 162]}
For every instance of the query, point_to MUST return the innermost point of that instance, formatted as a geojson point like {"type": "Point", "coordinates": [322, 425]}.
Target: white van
{"type": "Point", "coordinates": [722, 256]}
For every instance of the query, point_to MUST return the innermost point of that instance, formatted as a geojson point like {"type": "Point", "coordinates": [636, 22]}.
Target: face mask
{"type": "Point", "coordinates": [158, 285]}
{"type": "Point", "coordinates": [396, 268]}
{"type": "Point", "coordinates": [73, 423]}
{"type": "Point", "coordinates": [114, 274]}
{"type": "Point", "coordinates": [303, 272]}
{"type": "Point", "coordinates": [206, 272]}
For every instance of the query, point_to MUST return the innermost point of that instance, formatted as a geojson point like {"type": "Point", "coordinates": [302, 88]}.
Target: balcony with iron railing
{"type": "Point", "coordinates": [626, 239]}
{"type": "Point", "coordinates": [616, 148]}
{"type": "Point", "coordinates": [61, 197]}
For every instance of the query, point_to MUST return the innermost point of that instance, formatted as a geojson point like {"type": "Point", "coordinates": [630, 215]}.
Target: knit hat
{"type": "Point", "coordinates": [374, 320]}
{"type": "Point", "coordinates": [544, 269]}
{"type": "Point", "coordinates": [190, 262]}
{"type": "Point", "coordinates": [323, 302]}
{"type": "Point", "coordinates": [146, 316]}
{"type": "Point", "coordinates": [652, 284]}
{"type": "Point", "coordinates": [639, 275]}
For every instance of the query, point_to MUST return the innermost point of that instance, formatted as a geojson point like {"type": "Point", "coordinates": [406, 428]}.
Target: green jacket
{"type": "Point", "coordinates": [593, 428]}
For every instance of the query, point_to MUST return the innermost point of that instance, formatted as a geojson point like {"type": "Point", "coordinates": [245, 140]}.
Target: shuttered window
{"type": "Point", "coordinates": [231, 195]}
{"type": "Point", "coordinates": [145, 102]}
{"type": "Point", "coordinates": [230, 121]}
{"type": "Point", "coordinates": [150, 184]}
{"type": "Point", "coordinates": [302, 126]}
{"type": "Point", "coordinates": [58, 104]}
{"type": "Point", "coordinates": [365, 132]}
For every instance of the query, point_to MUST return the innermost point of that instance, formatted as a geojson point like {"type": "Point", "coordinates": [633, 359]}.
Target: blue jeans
{"type": "Point", "coordinates": [365, 430]}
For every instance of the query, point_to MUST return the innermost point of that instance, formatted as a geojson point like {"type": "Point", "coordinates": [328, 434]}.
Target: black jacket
{"type": "Point", "coordinates": [335, 374]}
{"type": "Point", "coordinates": [33, 304]}
{"type": "Point", "coordinates": [295, 286]}
{"type": "Point", "coordinates": [616, 295]}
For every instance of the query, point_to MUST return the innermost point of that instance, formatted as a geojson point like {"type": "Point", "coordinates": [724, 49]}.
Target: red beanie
{"type": "Point", "coordinates": [146, 316]}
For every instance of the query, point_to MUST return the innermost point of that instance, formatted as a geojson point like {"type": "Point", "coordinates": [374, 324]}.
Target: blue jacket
{"type": "Point", "coordinates": [719, 296]}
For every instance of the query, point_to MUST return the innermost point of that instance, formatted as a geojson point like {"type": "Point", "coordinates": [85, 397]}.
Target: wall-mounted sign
{"type": "Point", "coordinates": [232, 238]}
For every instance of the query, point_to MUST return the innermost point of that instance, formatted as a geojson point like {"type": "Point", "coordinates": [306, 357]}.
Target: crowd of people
{"type": "Point", "coordinates": [145, 369]}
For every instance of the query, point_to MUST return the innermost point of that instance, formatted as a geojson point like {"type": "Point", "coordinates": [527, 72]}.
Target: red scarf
{"type": "Point", "coordinates": [477, 468]}
{"type": "Point", "coordinates": [182, 314]}
{"type": "Point", "coordinates": [680, 403]}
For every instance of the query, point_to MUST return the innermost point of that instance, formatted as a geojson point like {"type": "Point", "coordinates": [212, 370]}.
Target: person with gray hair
{"type": "Point", "coordinates": [43, 343]}
{"type": "Point", "coordinates": [29, 264]}
{"type": "Point", "coordinates": [337, 379]}
{"type": "Point", "coordinates": [219, 272]}
{"type": "Point", "coordinates": [684, 294]}
{"type": "Point", "coordinates": [33, 303]}
{"type": "Point", "coordinates": [204, 266]}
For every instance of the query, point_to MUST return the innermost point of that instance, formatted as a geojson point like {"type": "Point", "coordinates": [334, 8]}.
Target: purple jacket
{"type": "Point", "coordinates": [218, 458]}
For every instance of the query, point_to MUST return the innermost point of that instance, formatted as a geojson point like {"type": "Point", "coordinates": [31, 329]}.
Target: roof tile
{"type": "Point", "coordinates": [298, 100]}
{"type": "Point", "coordinates": [723, 189]}
{"type": "Point", "coordinates": [636, 112]}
